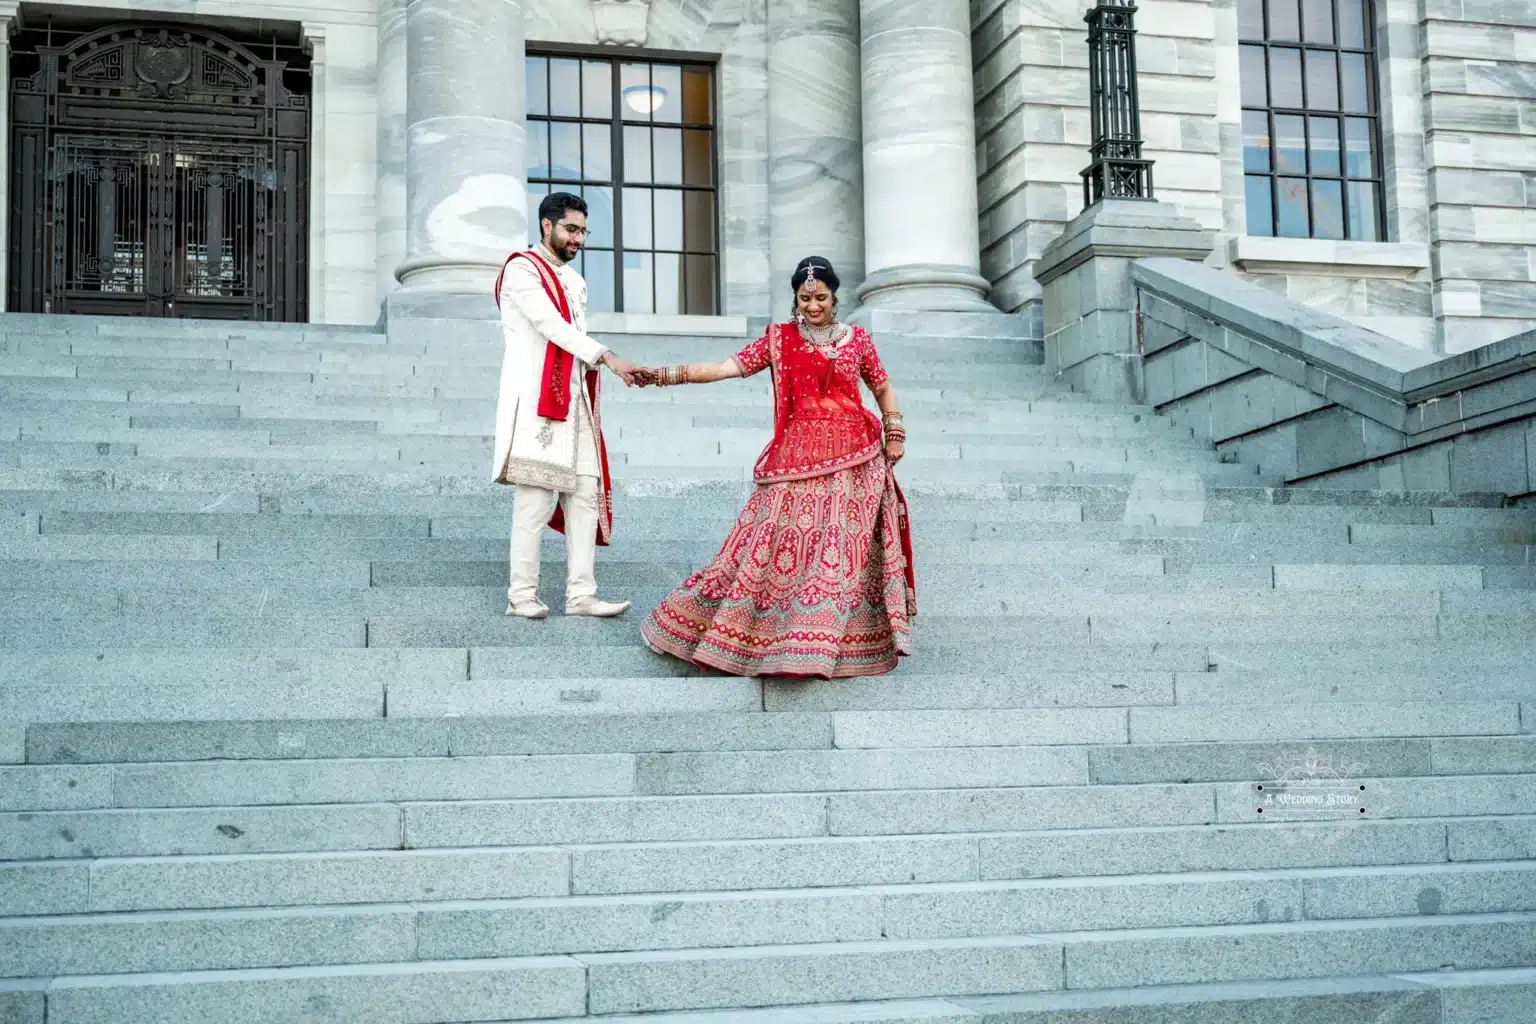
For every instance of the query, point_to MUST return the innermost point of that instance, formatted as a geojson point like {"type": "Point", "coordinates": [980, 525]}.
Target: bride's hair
{"type": "Point", "coordinates": [824, 273]}
{"type": "Point", "coordinates": [822, 268]}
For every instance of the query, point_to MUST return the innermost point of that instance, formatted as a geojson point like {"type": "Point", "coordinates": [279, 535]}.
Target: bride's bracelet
{"type": "Point", "coordinates": [670, 375]}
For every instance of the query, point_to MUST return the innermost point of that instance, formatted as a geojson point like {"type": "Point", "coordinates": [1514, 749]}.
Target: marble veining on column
{"type": "Point", "coordinates": [816, 164]}
{"type": "Point", "coordinates": [465, 177]}
{"type": "Point", "coordinates": [390, 225]}
{"type": "Point", "coordinates": [922, 248]}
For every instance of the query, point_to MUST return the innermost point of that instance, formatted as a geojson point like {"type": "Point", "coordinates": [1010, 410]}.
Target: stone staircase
{"type": "Point", "coordinates": [272, 754]}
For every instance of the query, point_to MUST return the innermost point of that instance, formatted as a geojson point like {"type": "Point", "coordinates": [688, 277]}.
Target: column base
{"type": "Point", "coordinates": [933, 287]}
{"type": "Point", "coordinates": [443, 274]}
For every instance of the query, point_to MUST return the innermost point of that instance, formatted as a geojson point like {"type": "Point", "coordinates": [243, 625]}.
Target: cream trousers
{"type": "Point", "coordinates": [531, 509]}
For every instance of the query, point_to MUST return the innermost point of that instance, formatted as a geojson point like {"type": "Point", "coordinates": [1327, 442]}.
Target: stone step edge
{"type": "Point", "coordinates": [37, 732]}
{"type": "Point", "coordinates": [829, 717]}
{"type": "Point", "coordinates": [1107, 1006]}
{"type": "Point", "coordinates": [963, 887]}
{"type": "Point", "coordinates": [742, 954]}
{"type": "Point", "coordinates": [816, 840]}
{"type": "Point", "coordinates": [1511, 779]}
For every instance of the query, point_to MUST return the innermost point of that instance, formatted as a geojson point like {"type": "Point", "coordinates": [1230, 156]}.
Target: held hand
{"type": "Point", "coordinates": [644, 376]}
{"type": "Point", "coordinates": [623, 367]}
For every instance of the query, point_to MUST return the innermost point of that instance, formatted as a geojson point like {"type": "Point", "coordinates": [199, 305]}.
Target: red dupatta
{"type": "Point", "coordinates": [555, 393]}
{"type": "Point", "coordinates": [777, 336]}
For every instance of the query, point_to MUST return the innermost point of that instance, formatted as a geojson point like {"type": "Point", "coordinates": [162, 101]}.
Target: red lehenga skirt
{"type": "Point", "coordinates": [812, 582]}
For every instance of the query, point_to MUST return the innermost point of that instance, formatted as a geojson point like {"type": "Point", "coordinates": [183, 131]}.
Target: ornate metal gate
{"type": "Point", "coordinates": [158, 171]}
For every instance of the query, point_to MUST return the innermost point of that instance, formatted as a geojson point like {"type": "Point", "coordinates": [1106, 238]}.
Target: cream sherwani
{"type": "Point", "coordinates": [548, 460]}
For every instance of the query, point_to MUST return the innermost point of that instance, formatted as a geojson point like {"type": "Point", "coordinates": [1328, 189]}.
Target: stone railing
{"type": "Point", "coordinates": [1325, 403]}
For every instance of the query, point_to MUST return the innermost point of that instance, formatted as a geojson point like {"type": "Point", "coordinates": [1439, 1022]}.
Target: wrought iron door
{"type": "Point", "coordinates": [171, 193]}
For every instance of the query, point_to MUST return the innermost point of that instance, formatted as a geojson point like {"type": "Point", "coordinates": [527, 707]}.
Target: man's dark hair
{"type": "Point", "coordinates": [553, 206]}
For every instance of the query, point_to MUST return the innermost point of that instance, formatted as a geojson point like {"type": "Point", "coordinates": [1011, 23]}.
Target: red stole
{"type": "Point", "coordinates": [555, 392]}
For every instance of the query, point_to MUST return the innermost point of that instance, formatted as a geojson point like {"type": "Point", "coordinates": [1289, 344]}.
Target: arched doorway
{"type": "Point", "coordinates": [158, 170]}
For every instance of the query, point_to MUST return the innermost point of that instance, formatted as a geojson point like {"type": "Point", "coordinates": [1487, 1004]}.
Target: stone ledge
{"type": "Point", "coordinates": [1124, 228]}
{"type": "Point", "coordinates": [1322, 258]}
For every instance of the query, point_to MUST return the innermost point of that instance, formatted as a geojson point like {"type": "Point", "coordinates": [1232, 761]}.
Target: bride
{"type": "Point", "coordinates": [815, 578]}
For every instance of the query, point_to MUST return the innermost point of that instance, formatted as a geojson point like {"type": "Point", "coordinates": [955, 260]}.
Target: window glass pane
{"type": "Point", "coordinates": [637, 153]}
{"type": "Point", "coordinates": [699, 221]}
{"type": "Point", "coordinates": [1250, 19]}
{"type": "Point", "coordinates": [599, 214]}
{"type": "Point", "coordinates": [599, 274]}
{"type": "Point", "coordinates": [565, 88]}
{"type": "Point", "coordinates": [1255, 88]}
{"type": "Point", "coordinates": [597, 152]}
{"type": "Point", "coordinates": [1285, 77]}
{"type": "Point", "coordinates": [537, 149]}
{"type": "Point", "coordinates": [1322, 80]}
{"type": "Point", "coordinates": [1290, 144]}
{"type": "Point", "coordinates": [1291, 203]}
{"type": "Point", "coordinates": [1359, 150]}
{"type": "Point", "coordinates": [667, 82]}
{"type": "Point", "coordinates": [1261, 219]}
{"type": "Point", "coordinates": [635, 91]}
{"type": "Point", "coordinates": [700, 284]}
{"type": "Point", "coordinates": [536, 84]}
{"type": "Point", "coordinates": [535, 194]}
{"type": "Point", "coordinates": [1255, 140]}
{"type": "Point", "coordinates": [1352, 23]}
{"type": "Point", "coordinates": [637, 222]}
{"type": "Point", "coordinates": [1327, 209]}
{"type": "Point", "coordinates": [1323, 143]}
{"type": "Point", "coordinates": [669, 219]}
{"type": "Point", "coordinates": [698, 162]}
{"type": "Point", "coordinates": [596, 89]}
{"type": "Point", "coordinates": [1357, 91]}
{"type": "Point", "coordinates": [667, 148]}
{"type": "Point", "coordinates": [639, 281]}
{"type": "Point", "coordinates": [1317, 21]}
{"type": "Point", "coordinates": [1284, 20]}
{"type": "Point", "coordinates": [697, 101]}
{"type": "Point", "coordinates": [1364, 224]}
{"type": "Point", "coordinates": [669, 283]}
{"type": "Point", "coordinates": [565, 151]}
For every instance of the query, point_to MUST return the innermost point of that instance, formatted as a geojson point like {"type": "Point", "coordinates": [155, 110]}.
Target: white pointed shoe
{"type": "Point", "coordinates": [528, 609]}
{"type": "Point", "coordinates": [591, 606]}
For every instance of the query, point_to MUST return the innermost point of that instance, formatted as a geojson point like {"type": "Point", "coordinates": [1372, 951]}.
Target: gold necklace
{"type": "Point", "coordinates": [824, 339]}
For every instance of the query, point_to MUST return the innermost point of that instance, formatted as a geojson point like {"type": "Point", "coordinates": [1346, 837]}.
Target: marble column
{"type": "Point", "coordinates": [816, 172]}
{"type": "Point", "coordinates": [921, 237]}
{"type": "Point", "coordinates": [466, 183]}
{"type": "Point", "coordinates": [389, 231]}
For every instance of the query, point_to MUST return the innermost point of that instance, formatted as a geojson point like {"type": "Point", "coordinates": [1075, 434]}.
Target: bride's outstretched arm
{"type": "Point", "coordinates": [693, 373]}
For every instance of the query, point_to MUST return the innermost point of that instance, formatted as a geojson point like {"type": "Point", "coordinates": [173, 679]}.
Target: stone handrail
{"type": "Point", "coordinates": [1326, 403]}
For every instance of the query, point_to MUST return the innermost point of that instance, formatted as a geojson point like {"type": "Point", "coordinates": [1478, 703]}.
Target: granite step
{"type": "Point", "coordinates": [1385, 863]}
{"type": "Point", "coordinates": [609, 983]}
{"type": "Point", "coordinates": [1441, 997]}
{"type": "Point", "coordinates": [131, 942]}
{"type": "Point", "coordinates": [625, 819]}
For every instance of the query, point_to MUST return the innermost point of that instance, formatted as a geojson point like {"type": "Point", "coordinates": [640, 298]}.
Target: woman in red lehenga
{"type": "Point", "coordinates": [815, 579]}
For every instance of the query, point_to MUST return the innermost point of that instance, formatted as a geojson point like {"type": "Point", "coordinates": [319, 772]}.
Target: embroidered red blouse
{"type": "Point", "coordinates": [820, 423]}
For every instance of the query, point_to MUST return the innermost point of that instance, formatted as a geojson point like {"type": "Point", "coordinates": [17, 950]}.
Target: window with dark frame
{"type": "Point", "coordinates": [1311, 137]}
{"type": "Point", "coordinates": [634, 136]}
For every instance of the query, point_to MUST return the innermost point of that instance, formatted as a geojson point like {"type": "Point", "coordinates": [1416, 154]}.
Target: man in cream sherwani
{"type": "Point", "coordinates": [552, 461]}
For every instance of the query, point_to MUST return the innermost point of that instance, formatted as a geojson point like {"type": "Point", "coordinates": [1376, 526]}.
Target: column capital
{"type": "Point", "coordinates": [313, 35]}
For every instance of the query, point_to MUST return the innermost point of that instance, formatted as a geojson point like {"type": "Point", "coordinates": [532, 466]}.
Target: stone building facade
{"type": "Point", "coordinates": [931, 149]}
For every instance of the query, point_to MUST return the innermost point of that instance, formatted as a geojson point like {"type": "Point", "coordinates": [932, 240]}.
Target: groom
{"type": "Point", "coordinates": [549, 435]}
